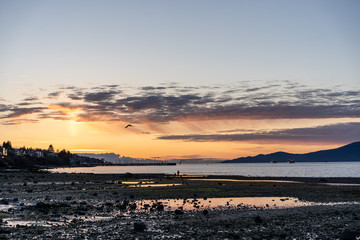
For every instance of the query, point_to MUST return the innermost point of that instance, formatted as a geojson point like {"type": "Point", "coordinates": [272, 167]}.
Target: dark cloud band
{"type": "Point", "coordinates": [345, 132]}
{"type": "Point", "coordinates": [166, 103]}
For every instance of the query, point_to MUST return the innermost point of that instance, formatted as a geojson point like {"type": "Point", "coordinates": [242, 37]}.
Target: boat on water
{"type": "Point", "coordinates": [291, 161]}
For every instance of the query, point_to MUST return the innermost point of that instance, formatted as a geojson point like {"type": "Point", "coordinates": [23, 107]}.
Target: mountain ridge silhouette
{"type": "Point", "coordinates": [347, 153]}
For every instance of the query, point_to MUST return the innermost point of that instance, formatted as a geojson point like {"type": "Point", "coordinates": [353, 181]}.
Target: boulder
{"type": "Point", "coordinates": [348, 235]}
{"type": "Point", "coordinates": [139, 226]}
{"type": "Point", "coordinates": [179, 212]}
{"type": "Point", "coordinates": [258, 220]}
{"type": "Point", "coordinates": [160, 207]}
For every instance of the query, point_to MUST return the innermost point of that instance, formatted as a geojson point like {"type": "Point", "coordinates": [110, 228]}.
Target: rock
{"type": "Point", "coordinates": [348, 235]}
{"type": "Point", "coordinates": [4, 230]}
{"type": "Point", "coordinates": [139, 226]}
{"type": "Point", "coordinates": [160, 207]}
{"type": "Point", "coordinates": [258, 220]}
{"type": "Point", "coordinates": [42, 205]}
{"type": "Point", "coordinates": [133, 206]}
{"type": "Point", "coordinates": [122, 207]}
{"type": "Point", "coordinates": [68, 198]}
{"type": "Point", "coordinates": [205, 212]}
{"type": "Point", "coordinates": [128, 174]}
{"type": "Point", "coordinates": [179, 212]}
{"type": "Point", "coordinates": [4, 201]}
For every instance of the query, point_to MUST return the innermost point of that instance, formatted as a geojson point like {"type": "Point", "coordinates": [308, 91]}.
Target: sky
{"type": "Point", "coordinates": [195, 79]}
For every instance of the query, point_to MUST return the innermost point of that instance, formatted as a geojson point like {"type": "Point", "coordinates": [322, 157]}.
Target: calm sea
{"type": "Point", "coordinates": [314, 169]}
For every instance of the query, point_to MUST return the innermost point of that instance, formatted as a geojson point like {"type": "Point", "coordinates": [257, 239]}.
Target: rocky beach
{"type": "Point", "coordinates": [43, 205]}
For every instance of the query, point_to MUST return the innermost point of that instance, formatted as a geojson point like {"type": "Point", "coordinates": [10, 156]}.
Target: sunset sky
{"type": "Point", "coordinates": [196, 79]}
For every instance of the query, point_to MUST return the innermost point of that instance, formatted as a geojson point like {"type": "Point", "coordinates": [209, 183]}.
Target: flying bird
{"type": "Point", "coordinates": [129, 125]}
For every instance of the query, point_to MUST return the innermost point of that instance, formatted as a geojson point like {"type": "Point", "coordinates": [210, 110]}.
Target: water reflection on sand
{"type": "Point", "coordinates": [213, 203]}
{"type": "Point", "coordinates": [238, 202]}
{"type": "Point", "coordinates": [238, 180]}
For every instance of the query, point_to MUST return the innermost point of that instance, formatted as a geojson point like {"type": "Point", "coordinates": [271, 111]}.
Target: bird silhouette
{"type": "Point", "coordinates": [129, 125]}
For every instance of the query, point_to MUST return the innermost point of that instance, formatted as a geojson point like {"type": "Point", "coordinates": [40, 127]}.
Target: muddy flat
{"type": "Point", "coordinates": [41, 205]}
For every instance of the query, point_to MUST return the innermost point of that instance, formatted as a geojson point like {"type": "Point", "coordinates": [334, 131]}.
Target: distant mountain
{"type": "Point", "coordinates": [350, 152]}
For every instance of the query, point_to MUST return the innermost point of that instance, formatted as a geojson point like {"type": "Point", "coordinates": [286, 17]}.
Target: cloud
{"type": "Point", "coordinates": [19, 121]}
{"type": "Point", "coordinates": [54, 95]}
{"type": "Point", "coordinates": [15, 111]}
{"type": "Point", "coordinates": [172, 102]}
{"type": "Point", "coordinates": [100, 96]}
{"type": "Point", "coordinates": [31, 99]}
{"type": "Point", "coordinates": [335, 133]}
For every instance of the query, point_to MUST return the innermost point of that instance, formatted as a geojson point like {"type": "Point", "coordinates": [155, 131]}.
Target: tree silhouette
{"type": "Point", "coordinates": [7, 145]}
{"type": "Point", "coordinates": [51, 148]}
{"type": "Point", "coordinates": [64, 153]}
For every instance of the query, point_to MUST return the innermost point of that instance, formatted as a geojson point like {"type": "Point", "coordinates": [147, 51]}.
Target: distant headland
{"type": "Point", "coordinates": [347, 153]}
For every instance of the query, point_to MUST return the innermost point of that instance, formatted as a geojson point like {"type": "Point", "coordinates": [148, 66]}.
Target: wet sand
{"type": "Point", "coordinates": [40, 205]}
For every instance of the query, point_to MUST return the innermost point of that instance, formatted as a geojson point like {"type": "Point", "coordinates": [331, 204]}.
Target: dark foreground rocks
{"type": "Point", "coordinates": [72, 206]}
{"type": "Point", "coordinates": [325, 222]}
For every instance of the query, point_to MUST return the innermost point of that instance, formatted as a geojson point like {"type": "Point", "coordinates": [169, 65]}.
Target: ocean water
{"type": "Point", "coordinates": [313, 169]}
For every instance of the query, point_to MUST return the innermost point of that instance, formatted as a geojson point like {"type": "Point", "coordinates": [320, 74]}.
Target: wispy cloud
{"type": "Point", "coordinates": [335, 133]}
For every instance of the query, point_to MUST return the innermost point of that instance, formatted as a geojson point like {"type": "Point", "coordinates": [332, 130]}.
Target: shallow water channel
{"type": "Point", "coordinates": [219, 203]}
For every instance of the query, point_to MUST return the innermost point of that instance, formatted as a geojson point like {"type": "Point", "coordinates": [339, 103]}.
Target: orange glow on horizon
{"type": "Point", "coordinates": [141, 140]}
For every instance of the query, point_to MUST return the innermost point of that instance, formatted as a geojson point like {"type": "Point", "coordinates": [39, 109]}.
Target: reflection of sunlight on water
{"type": "Point", "coordinates": [313, 169]}
{"type": "Point", "coordinates": [157, 185]}
{"type": "Point", "coordinates": [130, 182]}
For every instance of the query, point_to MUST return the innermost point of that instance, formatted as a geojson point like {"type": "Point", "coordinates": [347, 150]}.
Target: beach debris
{"type": "Point", "coordinates": [139, 226]}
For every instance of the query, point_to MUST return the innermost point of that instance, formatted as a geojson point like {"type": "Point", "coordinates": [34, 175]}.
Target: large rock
{"type": "Point", "coordinates": [160, 207]}
{"type": "Point", "coordinates": [179, 212]}
{"type": "Point", "coordinates": [139, 226]}
{"type": "Point", "coordinates": [258, 219]}
{"type": "Point", "coordinates": [348, 235]}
